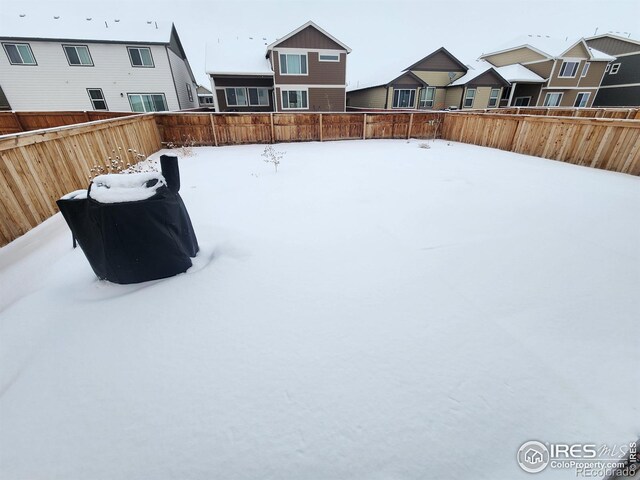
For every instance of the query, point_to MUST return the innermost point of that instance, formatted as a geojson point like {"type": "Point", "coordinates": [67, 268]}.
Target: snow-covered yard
{"type": "Point", "coordinates": [374, 310]}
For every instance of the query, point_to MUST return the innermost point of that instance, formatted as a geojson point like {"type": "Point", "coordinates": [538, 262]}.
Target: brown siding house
{"type": "Point", "coordinates": [303, 71]}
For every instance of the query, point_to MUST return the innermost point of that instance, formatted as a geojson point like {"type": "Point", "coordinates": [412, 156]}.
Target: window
{"type": "Point", "coordinates": [78, 55]}
{"type": "Point", "coordinates": [568, 69]}
{"type": "Point", "coordinates": [469, 97]}
{"type": "Point", "coordinates": [258, 97]}
{"type": "Point", "coordinates": [493, 97]}
{"type": "Point", "coordinates": [293, 64]}
{"type": "Point", "coordinates": [522, 101]}
{"type": "Point", "coordinates": [147, 102]}
{"type": "Point", "coordinates": [404, 98]}
{"type": "Point", "coordinates": [581, 99]}
{"type": "Point", "coordinates": [326, 57]}
{"type": "Point", "coordinates": [552, 99]}
{"type": "Point", "coordinates": [97, 98]}
{"type": "Point", "coordinates": [236, 97]}
{"type": "Point", "coordinates": [427, 96]}
{"type": "Point", "coordinates": [140, 56]}
{"type": "Point", "coordinates": [205, 99]}
{"type": "Point", "coordinates": [189, 93]}
{"type": "Point", "coordinates": [615, 68]}
{"type": "Point", "coordinates": [294, 99]}
{"type": "Point", "coordinates": [19, 53]}
{"type": "Point", "coordinates": [585, 70]}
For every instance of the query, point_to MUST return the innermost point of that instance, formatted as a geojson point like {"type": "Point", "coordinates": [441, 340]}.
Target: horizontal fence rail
{"type": "Point", "coordinates": [37, 168]}
{"type": "Point", "coordinates": [16, 122]}
{"type": "Point", "coordinates": [630, 113]}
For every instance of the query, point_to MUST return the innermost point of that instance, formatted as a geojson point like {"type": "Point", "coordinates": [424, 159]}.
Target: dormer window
{"type": "Point", "coordinates": [293, 64]}
{"type": "Point", "coordinates": [568, 69]}
{"type": "Point", "coordinates": [19, 53]}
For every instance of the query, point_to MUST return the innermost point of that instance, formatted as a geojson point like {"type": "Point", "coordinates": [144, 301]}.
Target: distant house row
{"type": "Point", "coordinates": [125, 67]}
{"type": "Point", "coordinates": [534, 70]}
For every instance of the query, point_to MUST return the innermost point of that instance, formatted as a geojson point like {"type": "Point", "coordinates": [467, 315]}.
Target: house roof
{"type": "Point", "coordinates": [475, 73]}
{"type": "Point", "coordinates": [547, 46]}
{"type": "Point", "coordinates": [85, 29]}
{"type": "Point", "coordinates": [440, 50]}
{"type": "Point", "coordinates": [237, 56]}
{"type": "Point", "coordinates": [519, 73]}
{"type": "Point", "coordinates": [616, 37]}
{"type": "Point", "coordinates": [302, 27]}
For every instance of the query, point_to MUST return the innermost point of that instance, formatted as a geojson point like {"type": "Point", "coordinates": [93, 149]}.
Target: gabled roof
{"type": "Point", "coordinates": [547, 47]}
{"type": "Point", "coordinates": [77, 28]}
{"type": "Point", "coordinates": [302, 27]}
{"type": "Point", "coordinates": [593, 53]}
{"type": "Point", "coordinates": [411, 75]}
{"type": "Point", "coordinates": [615, 37]}
{"type": "Point", "coordinates": [473, 74]}
{"type": "Point", "coordinates": [519, 73]}
{"type": "Point", "coordinates": [462, 66]}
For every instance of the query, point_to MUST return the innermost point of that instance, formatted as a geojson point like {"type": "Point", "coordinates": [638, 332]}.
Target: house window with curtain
{"type": "Point", "coordinates": [469, 97]}
{"type": "Point", "coordinates": [293, 64]}
{"type": "Point", "coordinates": [493, 97]}
{"type": "Point", "coordinates": [427, 97]}
{"type": "Point", "coordinates": [404, 98]}
{"type": "Point", "coordinates": [295, 99]}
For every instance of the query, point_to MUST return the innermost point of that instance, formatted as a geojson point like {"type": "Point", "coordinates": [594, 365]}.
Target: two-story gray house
{"type": "Point", "coordinates": [59, 64]}
{"type": "Point", "coordinates": [303, 71]}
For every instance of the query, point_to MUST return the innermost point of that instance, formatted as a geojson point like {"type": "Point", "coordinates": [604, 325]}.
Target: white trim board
{"type": "Point", "coordinates": [307, 85]}
{"type": "Point", "coordinates": [621, 85]}
{"type": "Point", "coordinates": [302, 27]}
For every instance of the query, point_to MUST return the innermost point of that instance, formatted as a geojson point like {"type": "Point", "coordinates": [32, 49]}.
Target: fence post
{"type": "Point", "coordinates": [320, 127]}
{"type": "Point", "coordinates": [273, 137]}
{"type": "Point", "coordinates": [410, 125]}
{"type": "Point", "coordinates": [213, 129]}
{"type": "Point", "coordinates": [364, 127]}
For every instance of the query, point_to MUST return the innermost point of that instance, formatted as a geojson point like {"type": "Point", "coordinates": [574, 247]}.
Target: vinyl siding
{"type": "Point", "coordinates": [629, 71]}
{"type": "Point", "coordinates": [568, 96]}
{"type": "Point", "coordinates": [368, 98]}
{"type": "Point", "coordinates": [592, 79]}
{"type": "Point", "coordinates": [618, 97]}
{"type": "Point", "coordinates": [520, 55]}
{"type": "Point", "coordinates": [542, 68]}
{"type": "Point", "coordinates": [453, 97]}
{"type": "Point", "coordinates": [54, 85]}
{"type": "Point", "coordinates": [436, 79]}
{"type": "Point", "coordinates": [319, 73]}
{"type": "Point", "coordinates": [439, 61]}
{"type": "Point", "coordinates": [319, 100]}
{"type": "Point", "coordinates": [613, 46]}
{"type": "Point", "coordinates": [309, 38]}
{"type": "Point", "coordinates": [181, 78]}
{"type": "Point", "coordinates": [578, 51]}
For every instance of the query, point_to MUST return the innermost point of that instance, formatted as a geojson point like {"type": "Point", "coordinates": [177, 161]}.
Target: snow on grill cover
{"type": "Point", "coordinates": [133, 227]}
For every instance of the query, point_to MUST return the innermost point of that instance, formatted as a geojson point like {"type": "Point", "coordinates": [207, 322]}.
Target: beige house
{"type": "Point", "coordinates": [571, 70]}
{"type": "Point", "coordinates": [422, 85]}
{"type": "Point", "coordinates": [479, 88]}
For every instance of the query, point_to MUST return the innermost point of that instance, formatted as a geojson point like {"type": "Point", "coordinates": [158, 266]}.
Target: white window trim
{"type": "Point", "coordinates": [35, 62]}
{"type": "Point", "coordinates": [544, 102]}
{"type": "Point", "coordinates": [607, 67]}
{"type": "Point", "coordinates": [415, 99]}
{"type": "Point", "coordinates": [153, 62]}
{"type": "Point", "coordinates": [293, 90]}
{"type": "Point", "coordinates": [564, 62]}
{"type": "Point", "coordinates": [164, 98]}
{"type": "Point", "coordinates": [585, 70]}
{"type": "Point", "coordinates": [466, 97]}
{"type": "Point", "coordinates": [106, 109]}
{"type": "Point", "coordinates": [293, 74]}
{"type": "Point", "coordinates": [616, 67]}
{"type": "Point", "coordinates": [588, 94]}
{"type": "Point", "coordinates": [246, 96]}
{"type": "Point", "coordinates": [258, 104]}
{"type": "Point", "coordinates": [527, 105]}
{"type": "Point", "coordinates": [433, 101]}
{"type": "Point", "coordinates": [497, 99]}
{"type": "Point", "coordinates": [337, 60]}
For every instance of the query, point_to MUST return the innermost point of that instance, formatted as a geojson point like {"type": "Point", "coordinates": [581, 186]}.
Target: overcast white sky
{"type": "Point", "coordinates": [385, 35]}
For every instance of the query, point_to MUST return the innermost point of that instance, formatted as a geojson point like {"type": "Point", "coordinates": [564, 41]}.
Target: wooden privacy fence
{"type": "Point", "coordinates": [241, 128]}
{"type": "Point", "coordinates": [38, 168]}
{"type": "Point", "coordinates": [16, 122]}
{"type": "Point", "coordinates": [621, 113]}
{"type": "Point", "coordinates": [608, 144]}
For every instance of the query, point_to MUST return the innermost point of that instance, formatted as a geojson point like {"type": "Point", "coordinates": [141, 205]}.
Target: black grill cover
{"type": "Point", "coordinates": [132, 242]}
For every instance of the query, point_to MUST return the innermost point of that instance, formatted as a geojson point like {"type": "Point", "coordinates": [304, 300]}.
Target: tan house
{"type": "Point", "coordinates": [303, 71]}
{"type": "Point", "coordinates": [478, 88]}
{"type": "Point", "coordinates": [420, 86]}
{"type": "Point", "coordinates": [572, 71]}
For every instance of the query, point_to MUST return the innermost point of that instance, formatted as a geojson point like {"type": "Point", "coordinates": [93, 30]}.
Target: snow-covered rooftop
{"type": "Point", "coordinates": [240, 55]}
{"type": "Point", "coordinates": [519, 73]}
{"type": "Point", "coordinates": [82, 28]}
{"type": "Point", "coordinates": [547, 45]}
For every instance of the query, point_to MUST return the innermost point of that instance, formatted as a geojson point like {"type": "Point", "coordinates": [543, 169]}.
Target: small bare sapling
{"type": "Point", "coordinates": [272, 156]}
